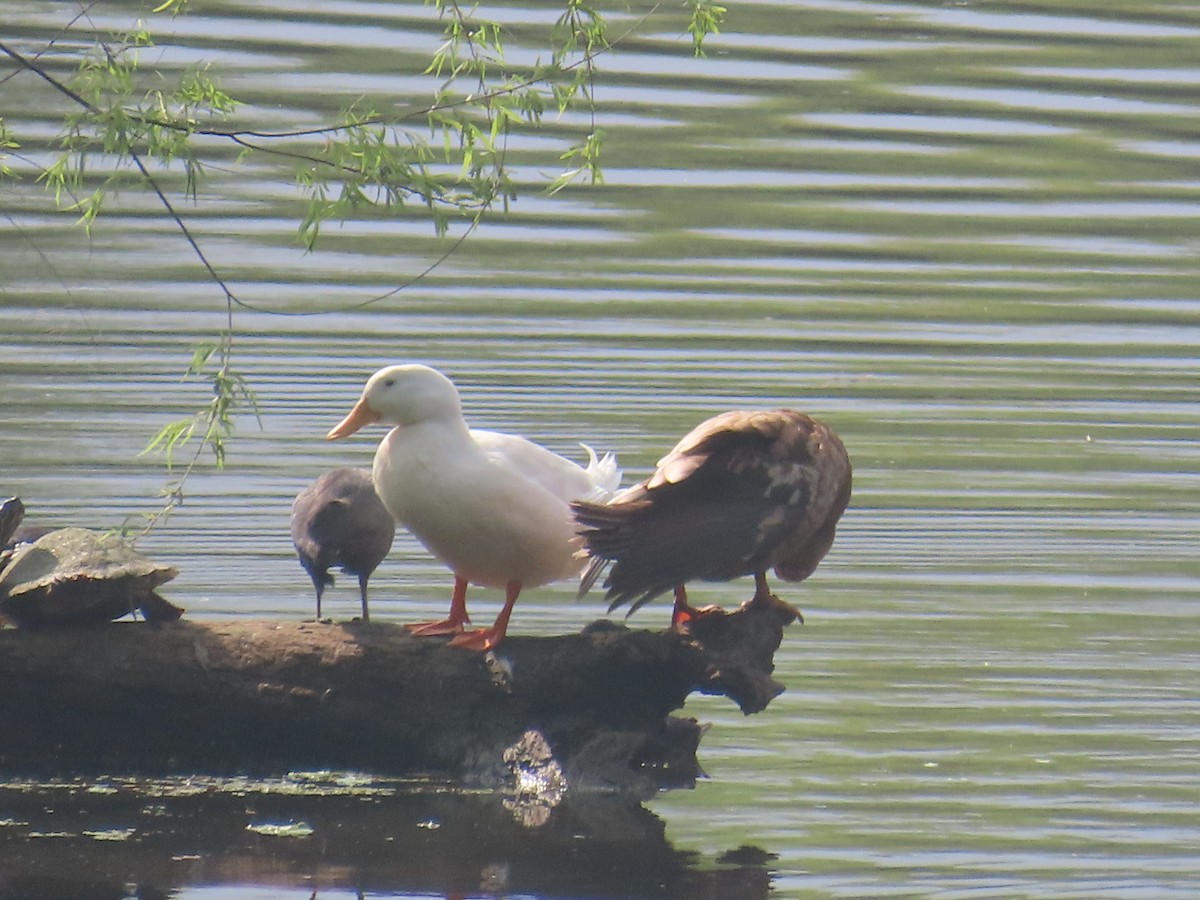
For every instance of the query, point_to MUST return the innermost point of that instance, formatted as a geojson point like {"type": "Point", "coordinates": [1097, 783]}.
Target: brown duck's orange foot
{"type": "Point", "coordinates": [479, 639]}
{"type": "Point", "coordinates": [773, 600]}
{"type": "Point", "coordinates": [682, 617]}
{"type": "Point", "coordinates": [684, 614]}
{"type": "Point", "coordinates": [433, 629]}
{"type": "Point", "coordinates": [762, 591]}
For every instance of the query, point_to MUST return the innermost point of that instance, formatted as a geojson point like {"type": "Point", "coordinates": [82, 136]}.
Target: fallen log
{"type": "Point", "coordinates": [588, 710]}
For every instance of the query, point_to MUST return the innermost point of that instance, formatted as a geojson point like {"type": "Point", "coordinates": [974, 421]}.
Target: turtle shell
{"type": "Point", "coordinates": [74, 576]}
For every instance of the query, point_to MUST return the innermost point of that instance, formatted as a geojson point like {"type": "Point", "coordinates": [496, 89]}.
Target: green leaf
{"type": "Point", "coordinates": [170, 437]}
{"type": "Point", "coordinates": [201, 354]}
{"type": "Point", "coordinates": [706, 19]}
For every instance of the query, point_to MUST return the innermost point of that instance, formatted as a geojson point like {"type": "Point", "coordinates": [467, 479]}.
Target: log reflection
{"type": "Point", "coordinates": [328, 834]}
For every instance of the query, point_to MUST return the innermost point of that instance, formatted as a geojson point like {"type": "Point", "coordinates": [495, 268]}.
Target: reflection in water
{"type": "Point", "coordinates": [325, 834]}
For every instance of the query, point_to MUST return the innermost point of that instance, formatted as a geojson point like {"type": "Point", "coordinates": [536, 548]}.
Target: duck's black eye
{"type": "Point", "coordinates": [388, 382]}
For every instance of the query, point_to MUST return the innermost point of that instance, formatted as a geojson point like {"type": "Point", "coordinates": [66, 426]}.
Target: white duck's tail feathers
{"type": "Point", "coordinates": [604, 474]}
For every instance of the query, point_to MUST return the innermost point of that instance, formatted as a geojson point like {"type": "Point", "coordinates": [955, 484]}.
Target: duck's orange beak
{"type": "Point", "coordinates": [357, 418]}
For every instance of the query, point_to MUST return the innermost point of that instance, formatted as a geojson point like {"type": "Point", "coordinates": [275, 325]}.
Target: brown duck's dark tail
{"type": "Point", "coordinates": [600, 526]}
{"type": "Point", "coordinates": [639, 555]}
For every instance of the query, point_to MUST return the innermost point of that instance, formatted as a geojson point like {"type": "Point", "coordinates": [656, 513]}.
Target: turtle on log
{"type": "Point", "coordinates": [75, 576]}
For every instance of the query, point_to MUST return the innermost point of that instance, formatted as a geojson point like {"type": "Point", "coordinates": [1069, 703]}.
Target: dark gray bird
{"type": "Point", "coordinates": [743, 492]}
{"type": "Point", "coordinates": [339, 520]}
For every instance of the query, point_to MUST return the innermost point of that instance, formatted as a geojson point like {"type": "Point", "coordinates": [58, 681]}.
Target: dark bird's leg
{"type": "Point", "coordinates": [362, 591]}
{"type": "Point", "coordinates": [454, 623]}
{"type": "Point", "coordinates": [320, 582]}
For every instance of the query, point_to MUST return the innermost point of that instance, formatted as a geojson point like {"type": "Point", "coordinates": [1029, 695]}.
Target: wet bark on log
{"type": "Point", "coordinates": [267, 697]}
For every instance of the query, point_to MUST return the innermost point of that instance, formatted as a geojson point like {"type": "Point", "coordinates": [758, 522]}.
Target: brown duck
{"type": "Point", "coordinates": [743, 492]}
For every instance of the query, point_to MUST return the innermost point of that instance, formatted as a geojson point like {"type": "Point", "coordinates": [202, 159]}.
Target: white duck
{"type": "Point", "coordinates": [491, 506]}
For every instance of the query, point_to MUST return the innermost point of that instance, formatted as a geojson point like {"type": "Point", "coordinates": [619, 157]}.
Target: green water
{"type": "Point", "coordinates": [963, 235]}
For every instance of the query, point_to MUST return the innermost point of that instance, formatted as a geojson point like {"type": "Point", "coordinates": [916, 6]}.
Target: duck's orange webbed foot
{"type": "Point", "coordinates": [762, 594]}
{"type": "Point", "coordinates": [684, 614]}
{"type": "Point", "coordinates": [444, 626]}
{"type": "Point", "coordinates": [490, 638]}
{"type": "Point", "coordinates": [452, 624]}
{"type": "Point", "coordinates": [480, 639]}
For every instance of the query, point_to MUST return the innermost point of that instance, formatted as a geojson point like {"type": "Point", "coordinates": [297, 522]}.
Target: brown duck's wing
{"type": "Point", "coordinates": [653, 548]}
{"type": "Point", "coordinates": [744, 435]}
{"type": "Point", "coordinates": [798, 555]}
{"type": "Point", "coordinates": [731, 492]}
